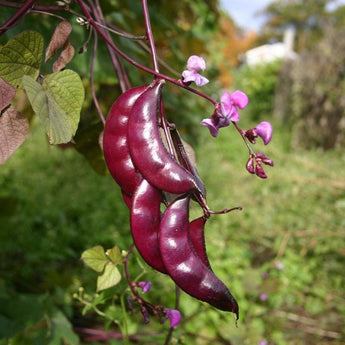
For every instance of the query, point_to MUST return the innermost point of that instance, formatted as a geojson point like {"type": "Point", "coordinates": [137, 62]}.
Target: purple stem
{"type": "Point", "coordinates": [115, 61]}
{"type": "Point", "coordinates": [95, 100]}
{"type": "Point", "coordinates": [242, 133]}
{"type": "Point", "coordinates": [150, 35]}
{"type": "Point", "coordinates": [20, 13]}
{"type": "Point", "coordinates": [136, 64]}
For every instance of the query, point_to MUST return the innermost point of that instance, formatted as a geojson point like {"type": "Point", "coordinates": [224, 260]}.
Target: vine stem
{"type": "Point", "coordinates": [241, 131]}
{"type": "Point", "coordinates": [150, 35]}
{"type": "Point", "coordinates": [136, 64]}
{"type": "Point", "coordinates": [20, 13]}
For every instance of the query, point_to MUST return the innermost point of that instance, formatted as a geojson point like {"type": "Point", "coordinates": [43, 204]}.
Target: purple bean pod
{"type": "Point", "coordinates": [115, 146]}
{"type": "Point", "coordinates": [197, 236]}
{"type": "Point", "coordinates": [184, 159]}
{"type": "Point", "coordinates": [146, 147]}
{"type": "Point", "coordinates": [184, 265]}
{"type": "Point", "coordinates": [145, 219]}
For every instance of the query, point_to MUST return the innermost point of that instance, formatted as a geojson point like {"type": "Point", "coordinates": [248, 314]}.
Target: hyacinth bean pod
{"type": "Point", "coordinates": [116, 152]}
{"type": "Point", "coordinates": [184, 265]}
{"type": "Point", "coordinates": [145, 219]}
{"type": "Point", "coordinates": [146, 147]}
{"type": "Point", "coordinates": [197, 236]}
{"type": "Point", "coordinates": [184, 159]}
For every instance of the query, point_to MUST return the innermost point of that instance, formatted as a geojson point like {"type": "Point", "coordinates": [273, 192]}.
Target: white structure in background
{"type": "Point", "coordinates": [270, 52]}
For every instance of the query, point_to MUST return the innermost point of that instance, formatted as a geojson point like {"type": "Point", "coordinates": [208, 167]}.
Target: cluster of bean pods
{"type": "Point", "coordinates": [150, 177]}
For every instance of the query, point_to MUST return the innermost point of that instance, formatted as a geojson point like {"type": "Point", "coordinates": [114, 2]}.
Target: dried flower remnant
{"type": "Point", "coordinates": [195, 64]}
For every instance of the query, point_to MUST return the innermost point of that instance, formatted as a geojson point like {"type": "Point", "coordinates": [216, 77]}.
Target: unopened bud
{"type": "Point", "coordinates": [264, 159]}
{"type": "Point", "coordinates": [259, 171]}
{"type": "Point", "coordinates": [250, 165]}
{"type": "Point", "coordinates": [145, 314]}
{"type": "Point", "coordinates": [251, 134]}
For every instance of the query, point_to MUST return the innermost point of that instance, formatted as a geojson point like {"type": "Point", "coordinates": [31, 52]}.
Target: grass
{"type": "Point", "coordinates": [291, 229]}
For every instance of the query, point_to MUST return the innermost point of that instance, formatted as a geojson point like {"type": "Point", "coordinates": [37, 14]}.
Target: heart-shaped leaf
{"type": "Point", "coordinates": [14, 128]}
{"type": "Point", "coordinates": [110, 277]}
{"type": "Point", "coordinates": [114, 255]}
{"type": "Point", "coordinates": [57, 102]}
{"type": "Point", "coordinates": [20, 56]}
{"type": "Point", "coordinates": [7, 93]}
{"type": "Point", "coordinates": [95, 258]}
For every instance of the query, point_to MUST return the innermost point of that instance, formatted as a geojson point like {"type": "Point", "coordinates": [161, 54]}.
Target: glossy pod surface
{"type": "Point", "coordinates": [145, 218]}
{"type": "Point", "coordinates": [184, 265]}
{"type": "Point", "coordinates": [147, 150]}
{"type": "Point", "coordinates": [116, 152]}
{"type": "Point", "coordinates": [185, 160]}
{"type": "Point", "coordinates": [197, 236]}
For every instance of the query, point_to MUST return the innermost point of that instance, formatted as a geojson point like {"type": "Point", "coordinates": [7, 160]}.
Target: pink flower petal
{"type": "Point", "coordinates": [188, 76]}
{"type": "Point", "coordinates": [239, 99]}
{"type": "Point", "coordinates": [209, 123]}
{"type": "Point", "coordinates": [265, 130]}
{"type": "Point", "coordinates": [234, 115]}
{"type": "Point", "coordinates": [196, 63]}
{"type": "Point", "coordinates": [174, 316]}
{"type": "Point", "coordinates": [225, 103]}
{"type": "Point", "coordinates": [200, 80]}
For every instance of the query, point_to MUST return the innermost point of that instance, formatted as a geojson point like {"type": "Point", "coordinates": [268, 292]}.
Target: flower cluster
{"type": "Point", "coordinates": [227, 112]}
{"type": "Point", "coordinates": [146, 308]}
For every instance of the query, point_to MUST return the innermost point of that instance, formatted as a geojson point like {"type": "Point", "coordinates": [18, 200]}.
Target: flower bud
{"type": "Point", "coordinates": [251, 134]}
{"type": "Point", "coordinates": [145, 314]}
{"type": "Point", "coordinates": [264, 159]}
{"type": "Point", "coordinates": [259, 171]}
{"type": "Point", "coordinates": [250, 165]}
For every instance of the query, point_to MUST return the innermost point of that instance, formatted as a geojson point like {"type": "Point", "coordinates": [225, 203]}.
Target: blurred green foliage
{"type": "Point", "coordinates": [259, 82]}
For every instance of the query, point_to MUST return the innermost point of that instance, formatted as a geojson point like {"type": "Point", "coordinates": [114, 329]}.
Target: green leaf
{"type": "Point", "coordinates": [57, 102]}
{"type": "Point", "coordinates": [114, 255]}
{"type": "Point", "coordinates": [110, 277]}
{"type": "Point", "coordinates": [62, 331]}
{"type": "Point", "coordinates": [95, 258]}
{"type": "Point", "coordinates": [20, 56]}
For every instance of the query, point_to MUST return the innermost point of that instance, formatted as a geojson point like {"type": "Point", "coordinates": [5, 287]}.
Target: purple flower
{"type": "Point", "coordinates": [174, 316]}
{"type": "Point", "coordinates": [263, 342]}
{"type": "Point", "coordinates": [194, 65]}
{"type": "Point", "coordinates": [263, 297]}
{"type": "Point", "coordinates": [265, 275]}
{"type": "Point", "coordinates": [264, 130]}
{"type": "Point", "coordinates": [145, 286]}
{"type": "Point", "coordinates": [230, 102]}
{"type": "Point", "coordinates": [228, 111]}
